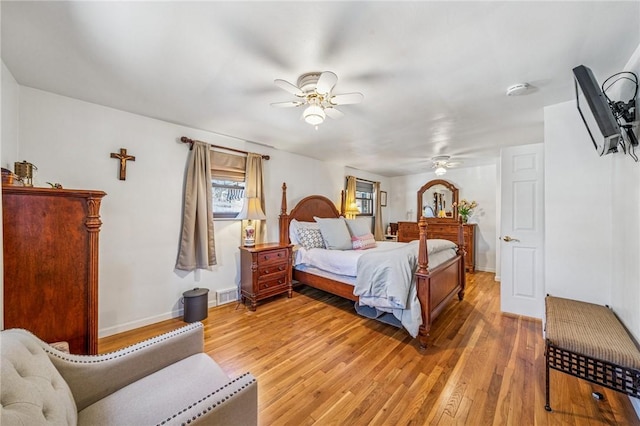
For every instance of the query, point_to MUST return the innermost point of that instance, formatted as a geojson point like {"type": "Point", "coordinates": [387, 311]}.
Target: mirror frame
{"type": "Point", "coordinates": [451, 187]}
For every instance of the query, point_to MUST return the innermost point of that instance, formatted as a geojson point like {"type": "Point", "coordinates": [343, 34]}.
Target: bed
{"type": "Point", "coordinates": [435, 285]}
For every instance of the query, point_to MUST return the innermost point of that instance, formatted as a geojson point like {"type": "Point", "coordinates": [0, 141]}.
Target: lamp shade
{"type": "Point", "coordinates": [440, 171]}
{"type": "Point", "coordinates": [251, 210]}
{"type": "Point", "coordinates": [314, 115]}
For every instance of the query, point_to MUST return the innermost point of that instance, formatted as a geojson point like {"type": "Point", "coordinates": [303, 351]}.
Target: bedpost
{"type": "Point", "coordinates": [342, 203]}
{"type": "Point", "coordinates": [423, 256]}
{"type": "Point", "coordinates": [284, 217]}
{"type": "Point", "coordinates": [422, 283]}
{"type": "Point", "coordinates": [462, 253]}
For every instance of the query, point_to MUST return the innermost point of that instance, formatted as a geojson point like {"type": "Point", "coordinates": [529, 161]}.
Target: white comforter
{"type": "Point", "coordinates": [385, 275]}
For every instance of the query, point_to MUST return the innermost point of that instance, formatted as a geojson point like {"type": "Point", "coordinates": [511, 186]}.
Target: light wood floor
{"type": "Point", "coordinates": [317, 362]}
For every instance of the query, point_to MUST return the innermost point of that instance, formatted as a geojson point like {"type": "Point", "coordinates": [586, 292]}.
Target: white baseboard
{"type": "Point", "coordinates": [497, 278]}
{"type": "Point", "coordinates": [104, 332]}
{"type": "Point", "coordinates": [485, 269]}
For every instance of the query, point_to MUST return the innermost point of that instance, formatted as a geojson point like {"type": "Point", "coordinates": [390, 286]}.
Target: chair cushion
{"type": "Point", "coordinates": [33, 392]}
{"type": "Point", "coordinates": [159, 396]}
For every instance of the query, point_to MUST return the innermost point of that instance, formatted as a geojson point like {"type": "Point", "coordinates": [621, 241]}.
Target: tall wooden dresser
{"type": "Point", "coordinates": [51, 264]}
{"type": "Point", "coordinates": [446, 230]}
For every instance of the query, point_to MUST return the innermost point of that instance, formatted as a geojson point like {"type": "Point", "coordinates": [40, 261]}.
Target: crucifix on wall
{"type": "Point", "coordinates": [123, 157]}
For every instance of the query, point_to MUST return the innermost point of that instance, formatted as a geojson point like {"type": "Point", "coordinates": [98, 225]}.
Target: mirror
{"type": "Point", "coordinates": [436, 199]}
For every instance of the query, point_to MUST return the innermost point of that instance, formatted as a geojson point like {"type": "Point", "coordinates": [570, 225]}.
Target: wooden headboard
{"type": "Point", "coordinates": [304, 211]}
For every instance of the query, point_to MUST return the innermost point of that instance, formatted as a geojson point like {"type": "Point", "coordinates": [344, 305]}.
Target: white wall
{"type": "Point", "coordinates": [625, 206]}
{"type": "Point", "coordinates": [592, 249]}
{"type": "Point", "coordinates": [473, 183]}
{"type": "Point", "coordinates": [578, 219]}
{"type": "Point", "coordinates": [70, 142]}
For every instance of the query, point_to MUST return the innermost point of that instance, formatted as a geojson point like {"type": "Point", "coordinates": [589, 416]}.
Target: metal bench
{"type": "Point", "coordinates": [588, 341]}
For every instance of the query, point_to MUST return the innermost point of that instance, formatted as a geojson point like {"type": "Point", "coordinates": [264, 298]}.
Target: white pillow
{"type": "Point", "coordinates": [295, 225]}
{"type": "Point", "coordinates": [335, 233]}
{"type": "Point", "coordinates": [436, 245]}
{"type": "Point", "coordinates": [359, 227]}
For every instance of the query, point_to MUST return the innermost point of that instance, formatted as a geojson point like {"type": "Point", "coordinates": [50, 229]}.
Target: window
{"type": "Point", "coordinates": [227, 184]}
{"type": "Point", "coordinates": [364, 197]}
{"type": "Point", "coordinates": [228, 198]}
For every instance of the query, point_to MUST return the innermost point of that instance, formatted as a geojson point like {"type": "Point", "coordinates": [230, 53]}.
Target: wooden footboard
{"type": "Point", "coordinates": [435, 287]}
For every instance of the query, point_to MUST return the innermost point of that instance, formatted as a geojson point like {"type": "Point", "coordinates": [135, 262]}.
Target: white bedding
{"type": "Point", "coordinates": [345, 262]}
{"type": "Point", "coordinates": [387, 284]}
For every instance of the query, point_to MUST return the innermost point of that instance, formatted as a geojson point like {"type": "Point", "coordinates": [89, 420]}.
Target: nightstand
{"type": "Point", "coordinates": [265, 271]}
{"type": "Point", "coordinates": [389, 237]}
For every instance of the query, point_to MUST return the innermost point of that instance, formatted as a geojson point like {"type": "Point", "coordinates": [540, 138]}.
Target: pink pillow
{"type": "Point", "coordinates": [364, 242]}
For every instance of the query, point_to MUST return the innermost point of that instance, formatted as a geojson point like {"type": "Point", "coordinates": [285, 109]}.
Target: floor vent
{"type": "Point", "coordinates": [227, 295]}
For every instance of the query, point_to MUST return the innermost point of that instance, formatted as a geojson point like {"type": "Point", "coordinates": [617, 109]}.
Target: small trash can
{"type": "Point", "coordinates": [195, 302]}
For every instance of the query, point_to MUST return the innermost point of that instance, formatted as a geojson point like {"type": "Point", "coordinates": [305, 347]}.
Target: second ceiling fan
{"type": "Point", "coordinates": [315, 90]}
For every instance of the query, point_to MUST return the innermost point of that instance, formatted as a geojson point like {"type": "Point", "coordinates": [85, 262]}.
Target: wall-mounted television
{"type": "Point", "coordinates": [595, 112]}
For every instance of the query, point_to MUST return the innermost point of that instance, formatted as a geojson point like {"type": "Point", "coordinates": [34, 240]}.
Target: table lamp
{"type": "Point", "coordinates": [352, 211]}
{"type": "Point", "coordinates": [251, 210]}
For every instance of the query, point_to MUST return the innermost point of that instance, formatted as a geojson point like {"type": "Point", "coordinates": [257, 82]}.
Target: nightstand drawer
{"type": "Point", "coordinates": [272, 283]}
{"type": "Point", "coordinates": [272, 269]}
{"type": "Point", "coordinates": [272, 256]}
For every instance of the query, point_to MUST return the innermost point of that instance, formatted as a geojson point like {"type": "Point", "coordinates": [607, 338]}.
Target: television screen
{"type": "Point", "coordinates": [596, 112]}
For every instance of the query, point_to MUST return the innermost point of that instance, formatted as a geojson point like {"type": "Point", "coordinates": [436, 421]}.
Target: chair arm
{"type": "Point", "coordinates": [235, 403]}
{"type": "Point", "coordinates": [92, 377]}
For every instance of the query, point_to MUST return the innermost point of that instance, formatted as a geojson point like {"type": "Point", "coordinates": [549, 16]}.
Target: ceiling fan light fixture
{"type": "Point", "coordinates": [314, 115]}
{"type": "Point", "coordinates": [440, 171]}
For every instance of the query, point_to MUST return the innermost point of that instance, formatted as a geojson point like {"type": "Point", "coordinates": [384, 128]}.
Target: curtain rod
{"type": "Point", "coordinates": [185, 139]}
{"type": "Point", "coordinates": [364, 180]}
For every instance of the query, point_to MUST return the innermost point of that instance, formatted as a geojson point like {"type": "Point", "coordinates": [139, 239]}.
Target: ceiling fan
{"type": "Point", "coordinates": [441, 163]}
{"type": "Point", "coordinates": [314, 89]}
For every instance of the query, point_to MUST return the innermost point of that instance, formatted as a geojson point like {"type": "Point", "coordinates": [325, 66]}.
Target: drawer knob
{"type": "Point", "coordinates": [280, 281]}
{"type": "Point", "coordinates": [281, 268]}
{"type": "Point", "coordinates": [266, 271]}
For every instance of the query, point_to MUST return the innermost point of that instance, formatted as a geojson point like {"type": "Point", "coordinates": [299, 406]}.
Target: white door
{"type": "Point", "coordinates": [522, 230]}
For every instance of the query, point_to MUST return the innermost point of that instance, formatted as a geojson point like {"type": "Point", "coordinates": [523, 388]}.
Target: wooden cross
{"type": "Point", "coordinates": [123, 157]}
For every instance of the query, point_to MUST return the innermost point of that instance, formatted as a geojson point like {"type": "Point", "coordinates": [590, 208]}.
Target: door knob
{"type": "Point", "coordinates": [508, 239]}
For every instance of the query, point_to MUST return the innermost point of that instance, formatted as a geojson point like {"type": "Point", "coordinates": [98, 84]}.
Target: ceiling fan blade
{"type": "Point", "coordinates": [347, 98]}
{"type": "Point", "coordinates": [326, 82]}
{"type": "Point", "coordinates": [333, 113]}
{"type": "Point", "coordinates": [454, 163]}
{"type": "Point", "coordinates": [291, 88]}
{"type": "Point", "coordinates": [286, 104]}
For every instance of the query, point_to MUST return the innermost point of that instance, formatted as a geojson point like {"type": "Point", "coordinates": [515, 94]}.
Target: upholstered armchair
{"type": "Point", "coordinates": [166, 380]}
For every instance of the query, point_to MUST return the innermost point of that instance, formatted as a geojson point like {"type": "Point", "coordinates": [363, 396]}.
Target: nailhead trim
{"type": "Point", "coordinates": [91, 359]}
{"type": "Point", "coordinates": [214, 403]}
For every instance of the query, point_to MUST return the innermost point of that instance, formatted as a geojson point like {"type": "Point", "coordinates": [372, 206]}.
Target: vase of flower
{"type": "Point", "coordinates": [465, 209]}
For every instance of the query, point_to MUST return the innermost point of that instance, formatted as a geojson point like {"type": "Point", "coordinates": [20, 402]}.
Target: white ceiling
{"type": "Point", "coordinates": [433, 74]}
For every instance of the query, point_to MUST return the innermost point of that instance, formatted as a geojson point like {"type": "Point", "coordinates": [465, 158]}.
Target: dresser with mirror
{"type": "Point", "coordinates": [436, 201]}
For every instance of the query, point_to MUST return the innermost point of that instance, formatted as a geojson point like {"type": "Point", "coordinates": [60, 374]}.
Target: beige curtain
{"type": "Point", "coordinates": [350, 197]}
{"type": "Point", "coordinates": [378, 232]}
{"type": "Point", "coordinates": [254, 188]}
{"type": "Point", "coordinates": [197, 246]}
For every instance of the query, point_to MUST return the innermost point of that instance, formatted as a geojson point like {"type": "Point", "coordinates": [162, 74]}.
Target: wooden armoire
{"type": "Point", "coordinates": [50, 248]}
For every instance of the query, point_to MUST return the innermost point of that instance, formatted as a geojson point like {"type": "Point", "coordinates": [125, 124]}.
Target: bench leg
{"type": "Point", "coordinates": [547, 406]}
